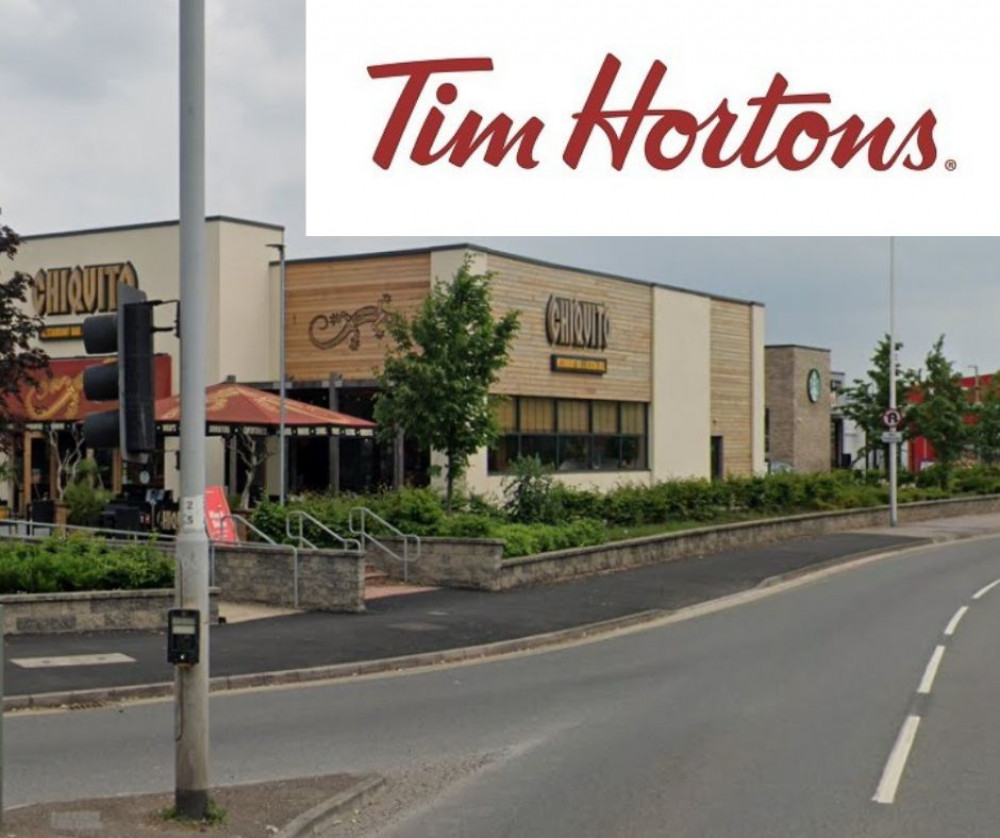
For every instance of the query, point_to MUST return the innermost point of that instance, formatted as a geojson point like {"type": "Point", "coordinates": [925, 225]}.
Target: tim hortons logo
{"type": "Point", "coordinates": [800, 134]}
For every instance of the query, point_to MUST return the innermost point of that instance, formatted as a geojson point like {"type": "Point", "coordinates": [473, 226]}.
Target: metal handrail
{"type": "Point", "coordinates": [234, 517]}
{"type": "Point", "coordinates": [20, 528]}
{"type": "Point", "coordinates": [271, 544]}
{"type": "Point", "coordinates": [351, 545]}
{"type": "Point", "coordinates": [359, 530]}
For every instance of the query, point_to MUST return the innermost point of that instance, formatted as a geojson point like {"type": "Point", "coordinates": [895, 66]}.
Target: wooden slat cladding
{"type": "Point", "coordinates": [349, 295]}
{"type": "Point", "coordinates": [527, 288]}
{"type": "Point", "coordinates": [731, 371]}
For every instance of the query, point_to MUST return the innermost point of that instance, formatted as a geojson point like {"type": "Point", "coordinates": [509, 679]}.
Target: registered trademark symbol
{"type": "Point", "coordinates": [950, 165]}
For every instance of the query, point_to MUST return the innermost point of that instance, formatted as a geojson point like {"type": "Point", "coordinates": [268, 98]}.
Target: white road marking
{"type": "Point", "coordinates": [893, 772]}
{"type": "Point", "coordinates": [953, 624]}
{"type": "Point", "coordinates": [986, 589]}
{"type": "Point", "coordinates": [72, 660]}
{"type": "Point", "coordinates": [929, 674]}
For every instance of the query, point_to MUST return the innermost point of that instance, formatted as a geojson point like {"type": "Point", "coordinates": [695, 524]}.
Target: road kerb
{"type": "Point", "coordinates": [323, 815]}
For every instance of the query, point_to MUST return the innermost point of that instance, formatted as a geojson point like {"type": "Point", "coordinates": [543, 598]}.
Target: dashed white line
{"type": "Point", "coordinates": [931, 671]}
{"type": "Point", "coordinates": [893, 772]}
{"type": "Point", "coordinates": [953, 623]}
{"type": "Point", "coordinates": [986, 589]}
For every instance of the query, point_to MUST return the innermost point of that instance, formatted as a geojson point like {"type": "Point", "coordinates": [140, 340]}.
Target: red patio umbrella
{"type": "Point", "coordinates": [230, 406]}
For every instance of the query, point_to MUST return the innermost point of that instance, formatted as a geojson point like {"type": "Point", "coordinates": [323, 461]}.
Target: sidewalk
{"type": "Point", "coordinates": [437, 620]}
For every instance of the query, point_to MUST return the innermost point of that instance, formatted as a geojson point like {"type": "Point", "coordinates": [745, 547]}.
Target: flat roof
{"type": "Point", "coordinates": [796, 346]}
{"type": "Point", "coordinates": [417, 251]}
{"type": "Point", "coordinates": [123, 228]}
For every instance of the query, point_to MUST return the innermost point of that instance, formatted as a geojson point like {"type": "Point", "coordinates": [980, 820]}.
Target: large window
{"type": "Point", "coordinates": [571, 434]}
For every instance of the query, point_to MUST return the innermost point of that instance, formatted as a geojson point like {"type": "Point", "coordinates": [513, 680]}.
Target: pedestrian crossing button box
{"type": "Point", "coordinates": [183, 636]}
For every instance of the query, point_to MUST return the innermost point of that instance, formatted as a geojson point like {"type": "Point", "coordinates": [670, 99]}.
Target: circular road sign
{"type": "Point", "coordinates": [892, 417]}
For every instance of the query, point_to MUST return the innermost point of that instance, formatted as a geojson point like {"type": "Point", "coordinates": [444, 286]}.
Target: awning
{"type": "Point", "coordinates": [230, 407]}
{"type": "Point", "coordinates": [57, 401]}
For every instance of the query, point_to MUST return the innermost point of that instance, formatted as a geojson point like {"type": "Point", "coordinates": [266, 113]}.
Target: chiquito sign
{"type": "Point", "coordinates": [81, 289]}
{"type": "Point", "coordinates": [784, 126]}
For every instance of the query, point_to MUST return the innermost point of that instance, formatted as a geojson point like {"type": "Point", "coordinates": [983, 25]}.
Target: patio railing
{"type": "Point", "coordinates": [350, 545]}
{"type": "Point", "coordinates": [358, 526]}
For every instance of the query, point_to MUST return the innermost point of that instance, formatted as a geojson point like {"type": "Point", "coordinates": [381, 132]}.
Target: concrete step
{"type": "Point", "coordinates": [374, 576]}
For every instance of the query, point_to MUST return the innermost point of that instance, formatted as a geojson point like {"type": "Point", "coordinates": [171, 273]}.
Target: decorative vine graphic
{"type": "Point", "coordinates": [329, 330]}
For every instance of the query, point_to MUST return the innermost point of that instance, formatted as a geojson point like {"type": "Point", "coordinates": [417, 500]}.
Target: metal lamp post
{"type": "Point", "coordinates": [191, 681]}
{"type": "Point", "coordinates": [893, 446]}
{"type": "Point", "coordinates": [282, 468]}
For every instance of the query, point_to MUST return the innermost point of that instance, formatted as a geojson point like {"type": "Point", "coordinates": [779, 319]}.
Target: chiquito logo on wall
{"type": "Point", "coordinates": [637, 117]}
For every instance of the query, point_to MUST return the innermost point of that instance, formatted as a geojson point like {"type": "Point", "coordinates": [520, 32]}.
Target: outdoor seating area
{"type": "Point", "coordinates": [53, 478]}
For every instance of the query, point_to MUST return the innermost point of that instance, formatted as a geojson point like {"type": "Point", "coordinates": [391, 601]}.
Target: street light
{"type": "Point", "coordinates": [893, 448]}
{"type": "Point", "coordinates": [281, 373]}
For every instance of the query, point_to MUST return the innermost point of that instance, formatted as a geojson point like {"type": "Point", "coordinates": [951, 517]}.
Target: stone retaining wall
{"type": "Point", "coordinates": [327, 580]}
{"type": "Point", "coordinates": [92, 611]}
{"type": "Point", "coordinates": [450, 562]}
{"type": "Point", "coordinates": [478, 564]}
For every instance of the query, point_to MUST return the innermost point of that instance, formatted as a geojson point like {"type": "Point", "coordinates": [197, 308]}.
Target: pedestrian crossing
{"type": "Point", "coordinates": [72, 660]}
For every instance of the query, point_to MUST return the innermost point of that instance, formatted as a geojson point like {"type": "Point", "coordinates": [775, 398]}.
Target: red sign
{"type": "Point", "coordinates": [221, 526]}
{"type": "Point", "coordinates": [57, 396]}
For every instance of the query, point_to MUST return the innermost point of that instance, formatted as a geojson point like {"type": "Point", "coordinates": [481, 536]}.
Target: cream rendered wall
{"type": "Point", "coordinates": [680, 414]}
{"type": "Point", "coordinates": [491, 486]}
{"type": "Point", "coordinates": [153, 251]}
{"type": "Point", "coordinates": [758, 383]}
{"type": "Point", "coordinates": [239, 302]}
{"type": "Point", "coordinates": [248, 319]}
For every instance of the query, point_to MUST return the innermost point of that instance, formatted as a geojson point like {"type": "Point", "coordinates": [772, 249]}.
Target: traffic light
{"type": "Point", "coordinates": [129, 381]}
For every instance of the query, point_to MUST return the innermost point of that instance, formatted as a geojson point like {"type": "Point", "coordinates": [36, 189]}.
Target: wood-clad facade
{"type": "Point", "coordinates": [732, 384]}
{"type": "Point", "coordinates": [528, 287]}
{"type": "Point", "coordinates": [592, 351]}
{"type": "Point", "coordinates": [335, 311]}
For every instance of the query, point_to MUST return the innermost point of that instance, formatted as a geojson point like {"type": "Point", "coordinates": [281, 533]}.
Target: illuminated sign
{"type": "Point", "coordinates": [81, 290]}
{"type": "Point", "coordinates": [71, 331]}
{"type": "Point", "coordinates": [586, 366]}
{"type": "Point", "coordinates": [579, 323]}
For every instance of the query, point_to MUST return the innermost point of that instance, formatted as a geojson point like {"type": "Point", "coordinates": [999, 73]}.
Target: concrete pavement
{"type": "Point", "coordinates": [429, 622]}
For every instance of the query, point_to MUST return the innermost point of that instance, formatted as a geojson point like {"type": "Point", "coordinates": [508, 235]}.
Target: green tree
{"type": "Point", "coordinates": [434, 384]}
{"type": "Point", "coordinates": [21, 358]}
{"type": "Point", "coordinates": [939, 416]}
{"type": "Point", "coordinates": [985, 431]}
{"type": "Point", "coordinates": [868, 398]}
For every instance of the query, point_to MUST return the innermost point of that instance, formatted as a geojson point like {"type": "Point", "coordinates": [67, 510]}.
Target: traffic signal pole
{"type": "Point", "coordinates": [191, 681]}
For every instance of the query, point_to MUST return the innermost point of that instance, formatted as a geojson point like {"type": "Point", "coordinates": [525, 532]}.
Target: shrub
{"type": "Point", "coordinates": [85, 504]}
{"type": "Point", "coordinates": [81, 564]}
{"type": "Point", "coordinates": [528, 494]}
{"type": "Point", "coordinates": [530, 539]}
{"type": "Point", "coordinates": [467, 525]}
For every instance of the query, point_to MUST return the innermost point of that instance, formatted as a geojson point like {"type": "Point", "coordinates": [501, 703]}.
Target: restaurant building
{"type": "Point", "coordinates": [76, 274]}
{"type": "Point", "coordinates": [610, 380]}
{"type": "Point", "coordinates": [801, 434]}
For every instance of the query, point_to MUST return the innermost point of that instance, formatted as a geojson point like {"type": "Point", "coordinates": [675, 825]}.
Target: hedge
{"type": "Point", "coordinates": [81, 564]}
{"type": "Point", "coordinates": [566, 517]}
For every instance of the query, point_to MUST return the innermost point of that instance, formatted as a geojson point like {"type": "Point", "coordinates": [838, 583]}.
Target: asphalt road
{"type": "Point", "coordinates": [426, 622]}
{"type": "Point", "coordinates": [781, 717]}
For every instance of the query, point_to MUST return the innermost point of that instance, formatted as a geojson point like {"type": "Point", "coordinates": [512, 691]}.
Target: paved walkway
{"type": "Point", "coordinates": [435, 620]}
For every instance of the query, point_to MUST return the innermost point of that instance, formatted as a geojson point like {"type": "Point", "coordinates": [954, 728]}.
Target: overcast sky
{"type": "Point", "coordinates": [89, 139]}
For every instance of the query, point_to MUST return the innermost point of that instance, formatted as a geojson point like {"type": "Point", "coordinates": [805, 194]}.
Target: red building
{"type": "Point", "coordinates": [921, 452]}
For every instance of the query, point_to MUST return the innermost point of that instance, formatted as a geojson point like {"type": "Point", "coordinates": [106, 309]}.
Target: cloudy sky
{"type": "Point", "coordinates": [89, 139]}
